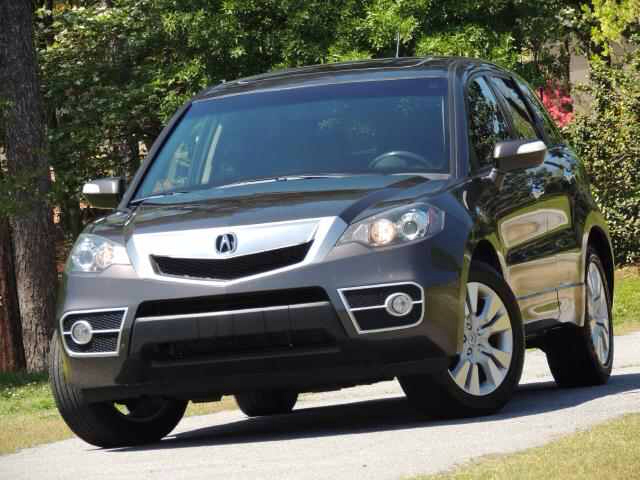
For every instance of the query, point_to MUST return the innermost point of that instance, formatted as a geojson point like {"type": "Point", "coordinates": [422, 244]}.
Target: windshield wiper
{"type": "Point", "coordinates": [139, 201]}
{"type": "Point", "coordinates": [286, 178]}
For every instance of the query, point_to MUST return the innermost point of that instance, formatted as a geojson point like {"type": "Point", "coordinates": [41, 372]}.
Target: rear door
{"type": "Point", "coordinates": [565, 232]}
{"type": "Point", "coordinates": [531, 256]}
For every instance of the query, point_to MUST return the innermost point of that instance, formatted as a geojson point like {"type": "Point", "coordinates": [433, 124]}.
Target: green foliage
{"type": "Point", "coordinates": [112, 76]}
{"type": "Point", "coordinates": [472, 40]}
{"type": "Point", "coordinates": [611, 19]}
{"type": "Point", "coordinates": [606, 138]}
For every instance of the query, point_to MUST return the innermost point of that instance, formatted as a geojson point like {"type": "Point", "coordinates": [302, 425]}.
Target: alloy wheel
{"type": "Point", "coordinates": [598, 314]}
{"type": "Point", "coordinates": [487, 353]}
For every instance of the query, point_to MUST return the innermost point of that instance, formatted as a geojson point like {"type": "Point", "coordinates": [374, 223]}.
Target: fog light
{"type": "Point", "coordinates": [81, 332]}
{"type": "Point", "coordinates": [399, 304]}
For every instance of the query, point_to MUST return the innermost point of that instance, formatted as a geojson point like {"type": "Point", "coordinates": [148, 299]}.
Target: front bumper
{"type": "Point", "coordinates": [290, 343]}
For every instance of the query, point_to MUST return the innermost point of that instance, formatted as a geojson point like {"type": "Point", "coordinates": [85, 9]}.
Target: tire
{"type": "Point", "coordinates": [266, 402]}
{"type": "Point", "coordinates": [102, 424]}
{"type": "Point", "coordinates": [486, 377]}
{"type": "Point", "coordinates": [573, 352]}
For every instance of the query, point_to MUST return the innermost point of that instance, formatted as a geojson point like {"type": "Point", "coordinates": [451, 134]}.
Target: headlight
{"type": "Point", "coordinates": [92, 253]}
{"type": "Point", "coordinates": [395, 226]}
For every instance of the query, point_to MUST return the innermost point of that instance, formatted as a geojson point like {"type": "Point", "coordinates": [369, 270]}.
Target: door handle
{"type": "Point", "coordinates": [537, 192]}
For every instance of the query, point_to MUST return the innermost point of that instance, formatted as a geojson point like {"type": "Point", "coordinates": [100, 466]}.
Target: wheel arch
{"type": "Point", "coordinates": [485, 252]}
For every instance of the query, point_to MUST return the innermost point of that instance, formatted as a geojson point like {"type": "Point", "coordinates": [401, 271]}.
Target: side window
{"type": "Point", "coordinates": [179, 162]}
{"type": "Point", "coordinates": [487, 125]}
{"type": "Point", "coordinates": [523, 124]}
{"type": "Point", "coordinates": [547, 123]}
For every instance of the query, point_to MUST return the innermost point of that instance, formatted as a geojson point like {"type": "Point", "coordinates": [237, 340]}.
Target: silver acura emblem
{"type": "Point", "coordinates": [226, 243]}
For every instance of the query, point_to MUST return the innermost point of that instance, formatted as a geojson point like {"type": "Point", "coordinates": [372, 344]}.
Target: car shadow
{"type": "Point", "coordinates": [383, 415]}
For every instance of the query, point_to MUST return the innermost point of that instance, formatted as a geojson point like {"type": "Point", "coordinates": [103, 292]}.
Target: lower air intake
{"type": "Point", "coordinates": [367, 306]}
{"type": "Point", "coordinates": [106, 327]}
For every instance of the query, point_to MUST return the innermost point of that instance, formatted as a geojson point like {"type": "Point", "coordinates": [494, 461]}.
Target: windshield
{"type": "Point", "coordinates": [381, 127]}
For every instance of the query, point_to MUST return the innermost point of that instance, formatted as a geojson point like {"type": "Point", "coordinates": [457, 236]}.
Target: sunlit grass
{"type": "Point", "coordinates": [607, 451]}
{"type": "Point", "coordinates": [626, 304]}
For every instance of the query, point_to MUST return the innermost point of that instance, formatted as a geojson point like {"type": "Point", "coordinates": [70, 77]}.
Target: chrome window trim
{"type": "Point", "coordinates": [350, 310]}
{"type": "Point", "coordinates": [115, 353]}
{"type": "Point", "coordinates": [231, 312]}
{"type": "Point", "coordinates": [326, 234]}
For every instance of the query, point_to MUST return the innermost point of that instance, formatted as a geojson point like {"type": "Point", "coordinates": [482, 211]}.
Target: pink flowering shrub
{"type": "Point", "coordinates": [558, 102]}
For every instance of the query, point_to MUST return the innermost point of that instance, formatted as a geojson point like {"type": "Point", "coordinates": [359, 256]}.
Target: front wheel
{"type": "Point", "coordinates": [484, 375]}
{"type": "Point", "coordinates": [110, 424]}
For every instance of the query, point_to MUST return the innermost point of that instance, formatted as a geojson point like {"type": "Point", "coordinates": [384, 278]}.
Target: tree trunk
{"type": "Point", "coordinates": [33, 239]}
{"type": "Point", "coordinates": [11, 350]}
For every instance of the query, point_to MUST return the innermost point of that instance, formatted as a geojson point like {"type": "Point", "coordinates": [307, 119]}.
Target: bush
{"type": "Point", "coordinates": [607, 138]}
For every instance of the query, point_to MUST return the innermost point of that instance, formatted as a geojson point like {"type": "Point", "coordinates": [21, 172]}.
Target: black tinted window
{"type": "Point", "coordinates": [523, 124]}
{"type": "Point", "coordinates": [385, 127]}
{"type": "Point", "coordinates": [549, 127]}
{"type": "Point", "coordinates": [487, 125]}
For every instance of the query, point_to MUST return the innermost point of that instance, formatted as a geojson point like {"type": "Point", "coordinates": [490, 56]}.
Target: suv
{"type": "Point", "coordinates": [331, 226]}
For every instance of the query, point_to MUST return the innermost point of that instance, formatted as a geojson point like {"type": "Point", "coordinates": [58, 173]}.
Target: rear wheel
{"type": "Point", "coordinates": [266, 402]}
{"type": "Point", "coordinates": [110, 424]}
{"type": "Point", "coordinates": [583, 356]}
{"type": "Point", "coordinates": [483, 377]}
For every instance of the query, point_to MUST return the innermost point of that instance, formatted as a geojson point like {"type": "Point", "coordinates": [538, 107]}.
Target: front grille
{"type": "Point", "coordinates": [367, 310]}
{"type": "Point", "coordinates": [231, 268]}
{"type": "Point", "coordinates": [109, 320]}
{"type": "Point", "coordinates": [368, 297]}
{"type": "Point", "coordinates": [221, 303]}
{"type": "Point", "coordinates": [379, 319]}
{"type": "Point", "coordinates": [242, 346]}
{"type": "Point", "coordinates": [101, 343]}
{"type": "Point", "coordinates": [106, 326]}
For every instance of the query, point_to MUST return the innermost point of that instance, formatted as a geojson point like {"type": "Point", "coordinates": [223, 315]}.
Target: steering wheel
{"type": "Point", "coordinates": [414, 158]}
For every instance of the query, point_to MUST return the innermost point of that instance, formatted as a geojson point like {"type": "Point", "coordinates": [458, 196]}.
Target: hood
{"type": "Point", "coordinates": [345, 197]}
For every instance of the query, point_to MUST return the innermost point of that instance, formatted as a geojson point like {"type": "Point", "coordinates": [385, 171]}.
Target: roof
{"type": "Point", "coordinates": [346, 71]}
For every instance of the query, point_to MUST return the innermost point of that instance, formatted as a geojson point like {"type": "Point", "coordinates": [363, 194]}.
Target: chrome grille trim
{"type": "Point", "coordinates": [376, 307]}
{"type": "Point", "coordinates": [325, 233]}
{"type": "Point", "coordinates": [341, 293]}
{"type": "Point", "coordinates": [66, 334]}
{"type": "Point", "coordinates": [232, 312]}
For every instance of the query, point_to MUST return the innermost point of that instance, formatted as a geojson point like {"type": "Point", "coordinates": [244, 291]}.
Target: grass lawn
{"type": "Point", "coordinates": [626, 305]}
{"type": "Point", "coordinates": [28, 415]}
{"type": "Point", "coordinates": [607, 451]}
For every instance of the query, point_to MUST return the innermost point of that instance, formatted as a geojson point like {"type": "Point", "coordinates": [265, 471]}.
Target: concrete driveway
{"type": "Point", "coordinates": [367, 432]}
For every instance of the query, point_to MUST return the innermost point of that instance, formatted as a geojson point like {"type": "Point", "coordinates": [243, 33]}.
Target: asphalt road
{"type": "Point", "coordinates": [367, 432]}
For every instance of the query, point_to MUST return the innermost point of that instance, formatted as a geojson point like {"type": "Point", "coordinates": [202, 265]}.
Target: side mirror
{"type": "Point", "coordinates": [519, 154]}
{"type": "Point", "coordinates": [516, 155]}
{"type": "Point", "coordinates": [104, 193]}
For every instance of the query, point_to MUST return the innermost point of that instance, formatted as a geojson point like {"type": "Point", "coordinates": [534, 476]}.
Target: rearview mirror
{"type": "Point", "coordinates": [104, 193]}
{"type": "Point", "coordinates": [519, 154]}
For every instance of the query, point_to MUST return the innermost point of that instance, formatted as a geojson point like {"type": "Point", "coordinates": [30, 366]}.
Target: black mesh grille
{"type": "Point", "coordinates": [232, 268]}
{"type": "Point", "coordinates": [110, 320]}
{"type": "Point", "coordinates": [371, 297]}
{"type": "Point", "coordinates": [378, 318]}
{"type": "Point", "coordinates": [101, 343]}
{"type": "Point", "coordinates": [244, 345]}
